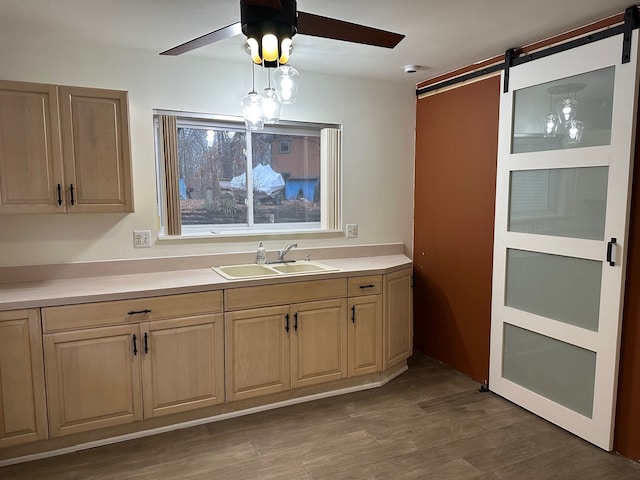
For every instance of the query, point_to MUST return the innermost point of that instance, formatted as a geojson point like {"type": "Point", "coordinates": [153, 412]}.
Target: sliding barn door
{"type": "Point", "coordinates": [563, 187]}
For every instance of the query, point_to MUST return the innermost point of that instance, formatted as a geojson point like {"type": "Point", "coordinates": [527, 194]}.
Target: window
{"type": "Point", "coordinates": [218, 178]}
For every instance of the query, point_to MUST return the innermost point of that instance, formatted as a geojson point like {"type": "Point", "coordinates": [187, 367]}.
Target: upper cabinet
{"type": "Point", "coordinates": [64, 150]}
{"type": "Point", "coordinates": [30, 154]}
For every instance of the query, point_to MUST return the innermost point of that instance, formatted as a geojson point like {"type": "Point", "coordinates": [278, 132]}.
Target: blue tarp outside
{"type": "Point", "coordinates": [297, 186]}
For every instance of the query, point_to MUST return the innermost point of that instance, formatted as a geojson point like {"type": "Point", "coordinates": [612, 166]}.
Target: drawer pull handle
{"type": "Point", "coordinates": [146, 343]}
{"type": "Point", "coordinates": [295, 321]}
{"type": "Point", "coordinates": [353, 314]}
{"type": "Point", "coordinates": [135, 345]}
{"type": "Point", "coordinates": [286, 326]}
{"type": "Point", "coordinates": [371, 285]}
{"type": "Point", "coordinates": [138, 312]}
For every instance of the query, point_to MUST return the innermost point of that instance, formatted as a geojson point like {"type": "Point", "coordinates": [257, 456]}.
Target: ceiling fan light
{"type": "Point", "coordinates": [285, 50]}
{"type": "Point", "coordinates": [252, 111]}
{"type": "Point", "coordinates": [269, 47]}
{"type": "Point", "coordinates": [286, 83]}
{"type": "Point", "coordinates": [254, 50]}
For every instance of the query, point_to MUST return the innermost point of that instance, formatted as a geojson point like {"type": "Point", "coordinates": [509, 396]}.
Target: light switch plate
{"type": "Point", "coordinates": [352, 230]}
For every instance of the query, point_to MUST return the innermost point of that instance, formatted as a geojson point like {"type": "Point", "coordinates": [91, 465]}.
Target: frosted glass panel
{"type": "Point", "coordinates": [567, 113]}
{"type": "Point", "coordinates": [556, 370]}
{"type": "Point", "coordinates": [564, 202]}
{"type": "Point", "coordinates": [566, 289]}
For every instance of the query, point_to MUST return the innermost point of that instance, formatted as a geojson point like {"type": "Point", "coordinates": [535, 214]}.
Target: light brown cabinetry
{"type": "Point", "coordinates": [365, 325]}
{"type": "Point", "coordinates": [63, 149]}
{"type": "Point", "coordinates": [270, 349]}
{"type": "Point", "coordinates": [152, 357]}
{"type": "Point", "coordinates": [30, 154]}
{"type": "Point", "coordinates": [23, 416]}
{"type": "Point", "coordinates": [398, 312]}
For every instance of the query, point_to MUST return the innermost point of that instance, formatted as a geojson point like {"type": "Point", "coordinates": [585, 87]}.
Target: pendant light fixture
{"type": "Point", "coordinates": [551, 121]}
{"type": "Point", "coordinates": [270, 103]}
{"type": "Point", "coordinates": [252, 109]}
{"type": "Point", "coordinates": [269, 30]}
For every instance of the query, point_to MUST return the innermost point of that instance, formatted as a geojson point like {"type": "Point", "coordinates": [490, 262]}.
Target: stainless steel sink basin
{"type": "Point", "coordinates": [233, 272]}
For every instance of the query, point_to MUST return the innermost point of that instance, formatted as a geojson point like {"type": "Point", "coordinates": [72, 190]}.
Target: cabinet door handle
{"type": "Point", "coordinates": [295, 321]}
{"type": "Point", "coordinates": [146, 343]}
{"type": "Point", "coordinates": [135, 345]}
{"type": "Point", "coordinates": [610, 246]}
{"type": "Point", "coordinates": [353, 314]}
{"type": "Point", "coordinates": [138, 312]}
{"type": "Point", "coordinates": [367, 286]}
{"type": "Point", "coordinates": [73, 202]}
{"type": "Point", "coordinates": [59, 194]}
{"type": "Point", "coordinates": [286, 326]}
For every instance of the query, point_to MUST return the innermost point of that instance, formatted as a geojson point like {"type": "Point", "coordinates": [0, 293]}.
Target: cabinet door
{"type": "Point", "coordinates": [257, 352]}
{"type": "Point", "coordinates": [95, 139]}
{"type": "Point", "coordinates": [23, 416]}
{"type": "Point", "coordinates": [398, 317]}
{"type": "Point", "coordinates": [93, 378]}
{"type": "Point", "coordinates": [365, 335]}
{"type": "Point", "coordinates": [319, 342]}
{"type": "Point", "coordinates": [182, 364]}
{"type": "Point", "coordinates": [30, 158]}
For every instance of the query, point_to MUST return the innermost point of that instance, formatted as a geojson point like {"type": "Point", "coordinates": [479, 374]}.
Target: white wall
{"type": "Point", "coordinates": [378, 121]}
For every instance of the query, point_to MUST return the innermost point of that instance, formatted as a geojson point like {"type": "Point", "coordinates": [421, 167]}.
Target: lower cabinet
{"type": "Point", "coordinates": [365, 325]}
{"type": "Point", "coordinates": [106, 376]}
{"type": "Point", "coordinates": [274, 349]}
{"type": "Point", "coordinates": [398, 314]}
{"type": "Point", "coordinates": [23, 416]}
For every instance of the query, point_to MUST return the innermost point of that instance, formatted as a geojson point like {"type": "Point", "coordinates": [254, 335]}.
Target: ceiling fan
{"type": "Point", "coordinates": [260, 16]}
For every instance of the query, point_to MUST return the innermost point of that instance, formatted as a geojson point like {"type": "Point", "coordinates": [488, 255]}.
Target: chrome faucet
{"type": "Point", "coordinates": [284, 251]}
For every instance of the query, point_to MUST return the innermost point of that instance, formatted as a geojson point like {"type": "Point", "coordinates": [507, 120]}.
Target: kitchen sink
{"type": "Point", "coordinates": [233, 272]}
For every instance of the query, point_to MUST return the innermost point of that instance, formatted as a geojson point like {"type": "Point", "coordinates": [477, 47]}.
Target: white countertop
{"type": "Point", "coordinates": [68, 291]}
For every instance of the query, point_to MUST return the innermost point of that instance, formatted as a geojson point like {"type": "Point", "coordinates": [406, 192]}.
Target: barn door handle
{"type": "Point", "coordinates": [610, 252]}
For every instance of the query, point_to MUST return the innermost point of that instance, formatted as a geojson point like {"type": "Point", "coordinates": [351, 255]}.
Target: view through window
{"type": "Point", "coordinates": [216, 161]}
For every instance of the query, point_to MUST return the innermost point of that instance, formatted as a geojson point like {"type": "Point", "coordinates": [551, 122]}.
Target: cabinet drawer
{"type": "Point", "coordinates": [89, 315]}
{"type": "Point", "coordinates": [369, 285]}
{"type": "Point", "coordinates": [284, 293]}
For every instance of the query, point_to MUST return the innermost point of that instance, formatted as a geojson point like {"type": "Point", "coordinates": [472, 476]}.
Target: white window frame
{"type": "Point", "coordinates": [330, 178]}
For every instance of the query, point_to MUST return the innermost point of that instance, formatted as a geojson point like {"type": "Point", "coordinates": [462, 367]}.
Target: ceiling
{"type": "Point", "coordinates": [441, 35]}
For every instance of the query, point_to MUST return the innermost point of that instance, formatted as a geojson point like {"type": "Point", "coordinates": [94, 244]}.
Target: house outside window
{"type": "Point", "coordinates": [206, 164]}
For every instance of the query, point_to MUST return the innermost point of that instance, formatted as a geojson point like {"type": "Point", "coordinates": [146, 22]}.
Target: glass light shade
{"type": "Point", "coordinates": [567, 111]}
{"type": "Point", "coordinates": [254, 50]}
{"type": "Point", "coordinates": [575, 131]}
{"type": "Point", "coordinates": [286, 83]}
{"type": "Point", "coordinates": [252, 111]}
{"type": "Point", "coordinates": [270, 47]}
{"type": "Point", "coordinates": [285, 50]}
{"type": "Point", "coordinates": [270, 106]}
{"type": "Point", "coordinates": [551, 124]}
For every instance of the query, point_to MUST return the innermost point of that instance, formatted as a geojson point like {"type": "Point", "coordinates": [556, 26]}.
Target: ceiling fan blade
{"type": "Point", "coordinates": [318, 26]}
{"type": "Point", "coordinates": [211, 37]}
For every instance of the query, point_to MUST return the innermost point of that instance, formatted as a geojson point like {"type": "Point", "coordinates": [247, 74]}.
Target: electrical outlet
{"type": "Point", "coordinates": [142, 239]}
{"type": "Point", "coordinates": [352, 230]}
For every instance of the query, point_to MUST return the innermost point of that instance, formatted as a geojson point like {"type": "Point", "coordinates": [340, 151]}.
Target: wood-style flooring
{"type": "Point", "coordinates": [429, 423]}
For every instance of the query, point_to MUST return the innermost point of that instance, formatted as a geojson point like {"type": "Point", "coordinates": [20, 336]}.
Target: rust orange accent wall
{"type": "Point", "coordinates": [455, 174]}
{"type": "Point", "coordinates": [627, 431]}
